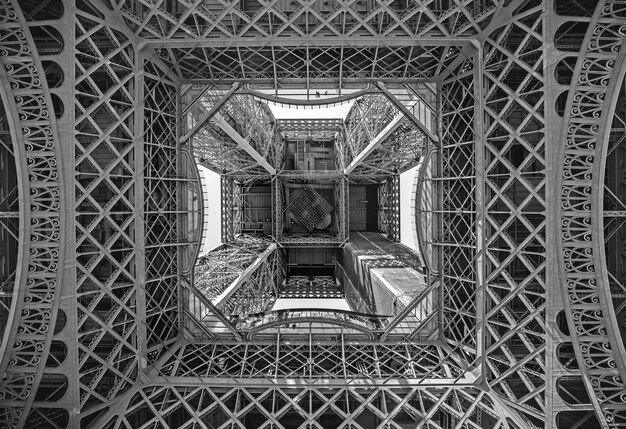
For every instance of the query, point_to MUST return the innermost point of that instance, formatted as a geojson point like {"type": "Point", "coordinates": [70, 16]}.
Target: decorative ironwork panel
{"type": "Point", "coordinates": [597, 76]}
{"type": "Point", "coordinates": [28, 335]}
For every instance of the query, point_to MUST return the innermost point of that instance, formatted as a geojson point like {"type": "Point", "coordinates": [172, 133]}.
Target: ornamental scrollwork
{"type": "Point", "coordinates": [30, 106]}
{"type": "Point", "coordinates": [581, 188]}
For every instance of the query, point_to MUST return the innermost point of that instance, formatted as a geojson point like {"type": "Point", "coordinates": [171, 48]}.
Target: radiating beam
{"type": "Point", "coordinates": [244, 276]}
{"type": "Point", "coordinates": [243, 143]}
{"type": "Point", "coordinates": [376, 141]}
{"type": "Point", "coordinates": [400, 105]}
{"type": "Point", "coordinates": [214, 312]}
{"type": "Point", "coordinates": [408, 309]}
{"type": "Point", "coordinates": [211, 112]}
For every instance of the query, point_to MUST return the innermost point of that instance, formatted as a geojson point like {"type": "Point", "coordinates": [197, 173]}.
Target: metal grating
{"type": "Point", "coordinates": [309, 208]}
{"type": "Point", "coordinates": [311, 287]}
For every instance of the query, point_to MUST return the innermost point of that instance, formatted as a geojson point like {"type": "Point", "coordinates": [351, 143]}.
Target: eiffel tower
{"type": "Point", "coordinates": [309, 214]}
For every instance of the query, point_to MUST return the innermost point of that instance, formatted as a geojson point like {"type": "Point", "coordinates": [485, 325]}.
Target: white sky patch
{"type": "Point", "coordinates": [284, 110]}
{"type": "Point", "coordinates": [212, 209]}
{"type": "Point", "coordinates": [408, 227]}
{"type": "Point", "coordinates": [290, 111]}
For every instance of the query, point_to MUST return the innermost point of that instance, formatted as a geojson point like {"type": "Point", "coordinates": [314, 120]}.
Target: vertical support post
{"type": "Point", "coordinates": [481, 227]}
{"type": "Point", "coordinates": [277, 207]}
{"type": "Point", "coordinates": [554, 297]}
{"type": "Point", "coordinates": [346, 207]}
{"type": "Point", "coordinates": [438, 233]}
{"type": "Point", "coordinates": [66, 126]}
{"type": "Point", "coordinates": [277, 360]}
{"type": "Point", "coordinates": [140, 224]}
{"type": "Point", "coordinates": [227, 184]}
{"type": "Point", "coordinates": [395, 198]}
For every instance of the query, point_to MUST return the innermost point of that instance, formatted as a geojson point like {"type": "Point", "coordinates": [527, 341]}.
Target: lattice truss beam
{"type": "Point", "coordinates": [327, 56]}
{"type": "Point", "coordinates": [341, 361]}
{"type": "Point", "coordinates": [164, 241]}
{"type": "Point", "coordinates": [106, 214]}
{"type": "Point", "coordinates": [515, 294]}
{"type": "Point", "coordinates": [456, 188]}
{"type": "Point", "coordinates": [343, 368]}
{"type": "Point", "coordinates": [507, 282]}
{"type": "Point", "coordinates": [223, 19]}
{"type": "Point", "coordinates": [170, 406]}
{"type": "Point", "coordinates": [335, 63]}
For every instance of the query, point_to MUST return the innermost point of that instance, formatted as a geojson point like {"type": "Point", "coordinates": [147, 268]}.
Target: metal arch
{"type": "Point", "coordinates": [32, 108]}
{"type": "Point", "coordinates": [422, 239]}
{"type": "Point", "coordinates": [187, 158]}
{"type": "Point", "coordinates": [590, 315]}
{"type": "Point", "coordinates": [597, 218]}
{"type": "Point", "coordinates": [369, 88]}
{"type": "Point", "coordinates": [294, 318]}
{"type": "Point", "coordinates": [24, 216]}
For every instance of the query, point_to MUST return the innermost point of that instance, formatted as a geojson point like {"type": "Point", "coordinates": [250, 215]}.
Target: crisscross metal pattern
{"type": "Point", "coordinates": [153, 352]}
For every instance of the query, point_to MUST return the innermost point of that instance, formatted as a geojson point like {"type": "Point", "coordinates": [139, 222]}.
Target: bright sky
{"type": "Point", "coordinates": [332, 111]}
{"type": "Point", "coordinates": [283, 111]}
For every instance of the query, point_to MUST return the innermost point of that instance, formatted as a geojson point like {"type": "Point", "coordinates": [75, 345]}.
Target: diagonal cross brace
{"type": "Point", "coordinates": [376, 141]}
{"type": "Point", "coordinates": [210, 113]}
{"type": "Point", "coordinates": [392, 98]}
{"type": "Point", "coordinates": [214, 312]}
{"type": "Point", "coordinates": [243, 143]}
{"type": "Point", "coordinates": [409, 308]}
{"type": "Point", "coordinates": [244, 276]}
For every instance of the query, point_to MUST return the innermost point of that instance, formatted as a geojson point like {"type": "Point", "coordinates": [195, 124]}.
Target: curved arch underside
{"type": "Point", "coordinates": [518, 212]}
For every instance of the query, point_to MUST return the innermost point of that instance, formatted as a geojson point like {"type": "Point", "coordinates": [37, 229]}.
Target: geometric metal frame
{"type": "Point", "coordinates": [494, 319]}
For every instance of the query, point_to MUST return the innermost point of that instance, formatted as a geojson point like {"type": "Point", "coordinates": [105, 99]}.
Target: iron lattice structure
{"type": "Point", "coordinates": [110, 320]}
